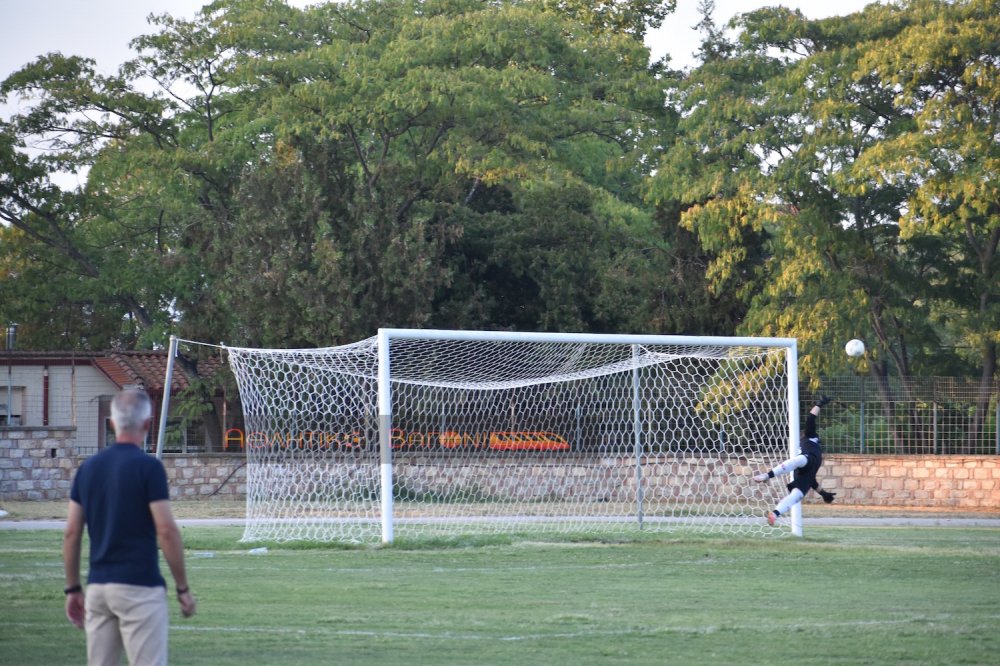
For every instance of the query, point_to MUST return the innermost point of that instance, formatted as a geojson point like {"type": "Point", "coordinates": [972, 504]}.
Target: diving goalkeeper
{"type": "Point", "coordinates": [805, 465]}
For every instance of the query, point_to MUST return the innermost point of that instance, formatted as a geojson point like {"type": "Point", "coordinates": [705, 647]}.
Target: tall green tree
{"type": "Point", "coordinates": [778, 130]}
{"type": "Point", "coordinates": [304, 176]}
{"type": "Point", "coordinates": [773, 126]}
{"type": "Point", "coordinates": [944, 65]}
{"type": "Point", "coordinates": [70, 256]}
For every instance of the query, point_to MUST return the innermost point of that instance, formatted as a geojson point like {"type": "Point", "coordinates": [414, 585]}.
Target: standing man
{"type": "Point", "coordinates": [121, 496]}
{"type": "Point", "coordinates": [805, 466]}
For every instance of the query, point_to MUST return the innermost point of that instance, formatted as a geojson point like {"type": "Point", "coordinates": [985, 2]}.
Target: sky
{"type": "Point", "coordinates": [102, 29]}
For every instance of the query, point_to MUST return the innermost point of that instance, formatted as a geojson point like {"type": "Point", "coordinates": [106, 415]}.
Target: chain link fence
{"type": "Point", "coordinates": [908, 415]}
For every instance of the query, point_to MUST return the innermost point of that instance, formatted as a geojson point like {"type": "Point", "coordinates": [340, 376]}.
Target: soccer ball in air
{"type": "Point", "coordinates": [855, 348]}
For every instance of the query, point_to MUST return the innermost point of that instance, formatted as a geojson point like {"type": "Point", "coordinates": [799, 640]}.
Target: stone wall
{"type": "Point", "coordinates": [953, 481]}
{"type": "Point", "coordinates": [36, 463]}
{"type": "Point", "coordinates": [206, 476]}
{"type": "Point", "coordinates": [39, 463]}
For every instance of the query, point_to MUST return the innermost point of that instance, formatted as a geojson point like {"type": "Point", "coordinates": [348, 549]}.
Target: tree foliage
{"type": "Point", "coordinates": [266, 175]}
{"type": "Point", "coordinates": [944, 65]}
{"type": "Point", "coordinates": [802, 138]}
{"type": "Point", "coordinates": [305, 176]}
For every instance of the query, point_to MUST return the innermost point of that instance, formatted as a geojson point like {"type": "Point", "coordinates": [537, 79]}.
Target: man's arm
{"type": "Point", "coordinates": [172, 546]}
{"type": "Point", "coordinates": [72, 540]}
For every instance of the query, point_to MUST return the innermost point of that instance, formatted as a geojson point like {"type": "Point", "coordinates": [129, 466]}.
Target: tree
{"type": "Point", "coordinates": [944, 65]}
{"type": "Point", "coordinates": [777, 129]}
{"type": "Point", "coordinates": [305, 176]}
{"type": "Point", "coordinates": [620, 17]}
{"type": "Point", "coordinates": [708, 173]}
{"type": "Point", "coordinates": [65, 232]}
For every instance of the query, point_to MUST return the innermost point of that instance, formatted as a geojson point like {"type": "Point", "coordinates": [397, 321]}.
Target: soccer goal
{"type": "Point", "coordinates": [427, 432]}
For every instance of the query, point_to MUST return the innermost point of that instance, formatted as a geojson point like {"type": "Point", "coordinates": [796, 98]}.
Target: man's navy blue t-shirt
{"type": "Point", "coordinates": [115, 488]}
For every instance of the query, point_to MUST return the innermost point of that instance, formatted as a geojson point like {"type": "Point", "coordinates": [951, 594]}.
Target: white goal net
{"type": "Point", "coordinates": [415, 433]}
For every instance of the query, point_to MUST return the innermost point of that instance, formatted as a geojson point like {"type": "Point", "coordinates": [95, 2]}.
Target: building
{"type": "Point", "coordinates": [74, 389]}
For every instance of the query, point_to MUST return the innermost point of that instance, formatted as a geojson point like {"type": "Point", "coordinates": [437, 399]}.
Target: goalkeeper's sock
{"type": "Point", "coordinates": [790, 500]}
{"type": "Point", "coordinates": [790, 465]}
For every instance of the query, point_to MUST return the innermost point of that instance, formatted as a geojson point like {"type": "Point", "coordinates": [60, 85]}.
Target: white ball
{"type": "Point", "coordinates": [855, 348]}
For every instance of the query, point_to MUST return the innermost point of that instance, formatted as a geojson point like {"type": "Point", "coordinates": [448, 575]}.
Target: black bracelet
{"type": "Point", "coordinates": [73, 589]}
{"type": "Point", "coordinates": [183, 590]}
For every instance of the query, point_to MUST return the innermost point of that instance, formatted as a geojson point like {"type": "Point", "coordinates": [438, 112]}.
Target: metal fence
{"type": "Point", "coordinates": [911, 415]}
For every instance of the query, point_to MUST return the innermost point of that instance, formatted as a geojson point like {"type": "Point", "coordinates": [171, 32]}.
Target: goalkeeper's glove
{"type": "Point", "coordinates": [823, 400]}
{"type": "Point", "coordinates": [827, 497]}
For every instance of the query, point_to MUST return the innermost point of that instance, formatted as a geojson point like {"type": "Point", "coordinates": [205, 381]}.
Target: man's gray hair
{"type": "Point", "coordinates": [130, 410]}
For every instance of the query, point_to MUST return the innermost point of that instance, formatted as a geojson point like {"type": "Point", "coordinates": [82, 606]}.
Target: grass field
{"type": "Point", "coordinates": [839, 596]}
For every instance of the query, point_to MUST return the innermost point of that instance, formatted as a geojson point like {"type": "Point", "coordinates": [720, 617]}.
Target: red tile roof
{"type": "Point", "coordinates": [114, 371]}
{"type": "Point", "coordinates": [145, 368]}
{"type": "Point", "coordinates": [149, 369]}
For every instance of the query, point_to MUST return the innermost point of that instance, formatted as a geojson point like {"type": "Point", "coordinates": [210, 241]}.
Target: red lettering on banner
{"type": "Point", "coordinates": [399, 439]}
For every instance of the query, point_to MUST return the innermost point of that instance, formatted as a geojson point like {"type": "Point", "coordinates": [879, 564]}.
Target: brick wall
{"type": "Point", "coordinates": [36, 463]}
{"type": "Point", "coordinates": [914, 481]}
{"type": "Point", "coordinates": [206, 476]}
{"type": "Point", "coordinates": [39, 463]}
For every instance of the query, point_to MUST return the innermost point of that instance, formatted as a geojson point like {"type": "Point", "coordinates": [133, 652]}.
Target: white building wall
{"type": "Point", "coordinates": [16, 380]}
{"type": "Point", "coordinates": [84, 388]}
{"type": "Point", "coordinates": [74, 397]}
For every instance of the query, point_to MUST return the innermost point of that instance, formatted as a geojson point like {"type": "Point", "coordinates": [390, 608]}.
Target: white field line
{"type": "Point", "coordinates": [26, 577]}
{"type": "Point", "coordinates": [929, 623]}
{"type": "Point", "coordinates": [991, 520]}
{"type": "Point", "coordinates": [450, 571]}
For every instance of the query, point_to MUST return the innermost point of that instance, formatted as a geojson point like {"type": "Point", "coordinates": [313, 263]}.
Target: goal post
{"type": "Point", "coordinates": [792, 363]}
{"type": "Point", "coordinates": [418, 432]}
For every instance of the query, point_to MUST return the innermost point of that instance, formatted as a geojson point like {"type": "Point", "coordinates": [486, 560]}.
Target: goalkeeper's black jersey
{"type": "Point", "coordinates": [804, 478]}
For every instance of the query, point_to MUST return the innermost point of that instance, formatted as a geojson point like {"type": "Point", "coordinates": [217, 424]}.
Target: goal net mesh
{"type": "Point", "coordinates": [504, 435]}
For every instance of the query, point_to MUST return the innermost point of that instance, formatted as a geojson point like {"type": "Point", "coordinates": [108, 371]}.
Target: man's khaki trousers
{"type": "Point", "coordinates": [129, 617]}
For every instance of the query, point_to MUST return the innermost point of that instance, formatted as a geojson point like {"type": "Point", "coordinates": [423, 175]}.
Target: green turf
{"type": "Point", "coordinates": [840, 596]}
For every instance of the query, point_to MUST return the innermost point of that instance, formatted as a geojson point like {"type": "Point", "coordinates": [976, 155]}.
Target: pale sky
{"type": "Point", "coordinates": [102, 29]}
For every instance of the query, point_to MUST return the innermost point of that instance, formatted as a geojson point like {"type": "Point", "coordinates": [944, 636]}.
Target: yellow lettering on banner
{"type": "Point", "coordinates": [233, 436]}
{"type": "Point", "coordinates": [451, 439]}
